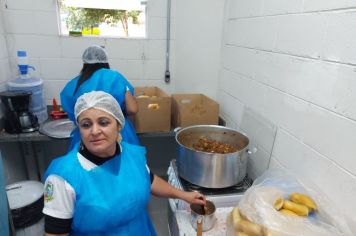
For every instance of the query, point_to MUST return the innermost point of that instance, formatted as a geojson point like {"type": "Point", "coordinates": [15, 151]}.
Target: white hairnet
{"type": "Point", "coordinates": [95, 54]}
{"type": "Point", "coordinates": [101, 101]}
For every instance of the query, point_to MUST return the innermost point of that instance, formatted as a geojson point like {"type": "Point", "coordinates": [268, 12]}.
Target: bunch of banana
{"type": "Point", "coordinates": [243, 227]}
{"type": "Point", "coordinates": [298, 205]}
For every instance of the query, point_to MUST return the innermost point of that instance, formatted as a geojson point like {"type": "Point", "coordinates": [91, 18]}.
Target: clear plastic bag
{"type": "Point", "coordinates": [256, 206]}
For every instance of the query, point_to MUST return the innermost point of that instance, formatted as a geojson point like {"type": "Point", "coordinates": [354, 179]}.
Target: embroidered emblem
{"type": "Point", "coordinates": [48, 194]}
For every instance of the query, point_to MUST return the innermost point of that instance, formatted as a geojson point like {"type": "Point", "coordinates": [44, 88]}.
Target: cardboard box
{"type": "Point", "coordinates": [194, 109]}
{"type": "Point", "coordinates": [154, 110]}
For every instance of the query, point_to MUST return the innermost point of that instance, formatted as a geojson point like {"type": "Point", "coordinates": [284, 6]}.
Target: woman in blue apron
{"type": "Point", "coordinates": [102, 187]}
{"type": "Point", "coordinates": [96, 75]}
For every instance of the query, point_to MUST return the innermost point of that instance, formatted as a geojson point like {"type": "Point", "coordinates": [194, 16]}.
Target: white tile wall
{"type": "Point", "coordinates": [4, 58]}
{"type": "Point", "coordinates": [157, 8]}
{"type": "Point", "coordinates": [302, 34]}
{"type": "Point", "coordinates": [248, 32]}
{"type": "Point", "coordinates": [133, 69]}
{"type": "Point", "coordinates": [30, 22]}
{"type": "Point", "coordinates": [74, 46]}
{"type": "Point", "coordinates": [245, 8]}
{"type": "Point", "coordinates": [157, 27]}
{"type": "Point", "coordinates": [341, 49]}
{"type": "Point", "coordinates": [154, 69]}
{"type": "Point", "coordinates": [276, 7]}
{"type": "Point", "coordinates": [319, 5]}
{"type": "Point", "coordinates": [35, 45]}
{"type": "Point", "coordinates": [59, 68]}
{"type": "Point", "coordinates": [298, 71]}
{"type": "Point", "coordinates": [3, 48]}
{"type": "Point", "coordinates": [329, 85]}
{"type": "Point", "coordinates": [4, 70]}
{"type": "Point", "coordinates": [125, 48]}
{"type": "Point", "coordinates": [230, 107]}
{"type": "Point", "coordinates": [39, 5]}
{"type": "Point", "coordinates": [53, 88]}
{"type": "Point", "coordinates": [155, 49]}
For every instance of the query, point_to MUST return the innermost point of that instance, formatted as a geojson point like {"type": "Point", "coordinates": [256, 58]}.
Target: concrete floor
{"type": "Point", "coordinates": [157, 209]}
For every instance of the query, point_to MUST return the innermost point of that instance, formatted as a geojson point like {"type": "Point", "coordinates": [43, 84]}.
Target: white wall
{"type": "Point", "coordinates": [32, 26]}
{"type": "Point", "coordinates": [294, 62]}
{"type": "Point", "coordinates": [4, 58]}
{"type": "Point", "coordinates": [198, 26]}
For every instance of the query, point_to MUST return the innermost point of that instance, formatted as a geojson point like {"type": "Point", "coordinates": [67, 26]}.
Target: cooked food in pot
{"type": "Point", "coordinates": [209, 145]}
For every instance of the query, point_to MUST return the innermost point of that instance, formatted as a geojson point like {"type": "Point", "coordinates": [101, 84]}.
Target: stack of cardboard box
{"type": "Point", "coordinates": [159, 112]}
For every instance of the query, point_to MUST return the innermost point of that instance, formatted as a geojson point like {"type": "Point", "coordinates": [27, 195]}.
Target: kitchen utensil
{"type": "Point", "coordinates": [61, 128]}
{"type": "Point", "coordinates": [211, 170]}
{"type": "Point", "coordinates": [202, 220]}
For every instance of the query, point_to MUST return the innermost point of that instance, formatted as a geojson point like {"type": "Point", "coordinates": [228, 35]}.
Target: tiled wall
{"type": "Point", "coordinates": [32, 26]}
{"type": "Point", "coordinates": [294, 63]}
{"type": "Point", "coordinates": [4, 58]}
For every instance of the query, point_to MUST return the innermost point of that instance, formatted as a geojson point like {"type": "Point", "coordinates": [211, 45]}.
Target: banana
{"type": "Point", "coordinates": [287, 212]}
{"type": "Point", "coordinates": [267, 232]}
{"type": "Point", "coordinates": [278, 204]}
{"type": "Point", "coordinates": [299, 209]}
{"type": "Point", "coordinates": [241, 234]}
{"type": "Point", "coordinates": [304, 200]}
{"type": "Point", "coordinates": [236, 217]}
{"type": "Point", "coordinates": [250, 228]}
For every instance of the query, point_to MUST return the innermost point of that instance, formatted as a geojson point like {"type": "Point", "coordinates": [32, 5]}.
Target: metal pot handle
{"type": "Point", "coordinates": [177, 129]}
{"type": "Point", "coordinates": [252, 150]}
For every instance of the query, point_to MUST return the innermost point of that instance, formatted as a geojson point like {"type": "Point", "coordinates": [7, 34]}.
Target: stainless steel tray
{"type": "Point", "coordinates": [61, 128]}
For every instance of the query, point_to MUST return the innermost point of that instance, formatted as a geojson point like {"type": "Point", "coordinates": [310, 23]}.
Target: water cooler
{"type": "Point", "coordinates": [26, 82]}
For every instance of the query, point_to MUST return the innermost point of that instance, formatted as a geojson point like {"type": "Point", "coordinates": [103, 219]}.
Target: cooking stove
{"type": "Point", "coordinates": [223, 198]}
{"type": "Point", "coordinates": [236, 189]}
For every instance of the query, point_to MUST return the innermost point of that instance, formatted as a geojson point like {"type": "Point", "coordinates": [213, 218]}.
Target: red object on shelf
{"type": "Point", "coordinates": [55, 106]}
{"type": "Point", "coordinates": [58, 115]}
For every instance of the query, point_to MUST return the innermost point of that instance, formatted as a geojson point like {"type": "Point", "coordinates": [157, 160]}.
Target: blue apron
{"type": "Point", "coordinates": [109, 81]}
{"type": "Point", "coordinates": [111, 199]}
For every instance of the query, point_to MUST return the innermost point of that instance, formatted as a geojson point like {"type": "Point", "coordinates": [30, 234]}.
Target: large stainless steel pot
{"type": "Point", "coordinates": [211, 170]}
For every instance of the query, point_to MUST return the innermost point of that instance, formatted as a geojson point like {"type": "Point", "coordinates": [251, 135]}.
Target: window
{"type": "Point", "coordinates": [111, 18]}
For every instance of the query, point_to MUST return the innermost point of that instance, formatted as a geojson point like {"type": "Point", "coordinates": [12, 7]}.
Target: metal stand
{"type": "Point", "coordinates": [30, 159]}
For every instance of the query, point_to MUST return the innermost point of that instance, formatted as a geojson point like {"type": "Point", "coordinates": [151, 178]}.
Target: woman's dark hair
{"type": "Point", "coordinates": [88, 70]}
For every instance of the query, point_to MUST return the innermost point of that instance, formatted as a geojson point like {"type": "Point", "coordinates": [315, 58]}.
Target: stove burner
{"type": "Point", "coordinates": [241, 187]}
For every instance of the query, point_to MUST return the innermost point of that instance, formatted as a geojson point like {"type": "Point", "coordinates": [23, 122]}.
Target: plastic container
{"type": "Point", "coordinates": [25, 82]}
{"type": "Point", "coordinates": [26, 203]}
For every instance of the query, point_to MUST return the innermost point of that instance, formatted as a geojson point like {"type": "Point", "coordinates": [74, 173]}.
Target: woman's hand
{"type": "Point", "coordinates": [194, 198]}
{"type": "Point", "coordinates": [161, 188]}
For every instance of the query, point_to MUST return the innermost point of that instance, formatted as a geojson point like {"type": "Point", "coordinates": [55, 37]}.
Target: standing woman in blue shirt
{"type": "Point", "coordinates": [96, 75]}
